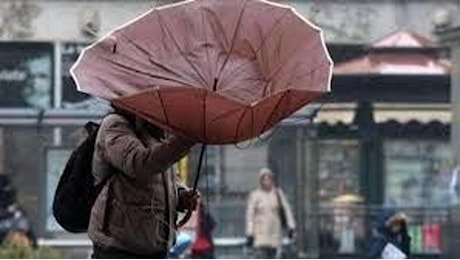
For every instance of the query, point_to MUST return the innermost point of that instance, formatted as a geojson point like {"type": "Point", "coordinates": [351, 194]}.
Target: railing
{"type": "Point", "coordinates": [232, 247]}
{"type": "Point", "coordinates": [342, 232]}
{"type": "Point", "coordinates": [346, 230]}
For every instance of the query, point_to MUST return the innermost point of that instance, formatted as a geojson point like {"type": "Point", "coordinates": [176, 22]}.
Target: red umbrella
{"type": "Point", "coordinates": [216, 71]}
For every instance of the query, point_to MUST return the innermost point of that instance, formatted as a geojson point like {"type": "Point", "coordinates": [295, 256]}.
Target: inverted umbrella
{"type": "Point", "coordinates": [216, 71]}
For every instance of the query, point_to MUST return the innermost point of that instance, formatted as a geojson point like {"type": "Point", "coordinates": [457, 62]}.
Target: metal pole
{"type": "Point", "coordinates": [2, 149]}
{"type": "Point", "coordinates": [218, 165]}
{"type": "Point", "coordinates": [300, 193]}
{"type": "Point", "coordinates": [57, 94]}
{"type": "Point", "coordinates": [312, 179]}
{"type": "Point", "coordinates": [450, 36]}
{"type": "Point", "coordinates": [455, 100]}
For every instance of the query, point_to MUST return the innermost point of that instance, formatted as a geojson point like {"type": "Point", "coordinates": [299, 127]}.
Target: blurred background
{"type": "Point", "coordinates": [387, 135]}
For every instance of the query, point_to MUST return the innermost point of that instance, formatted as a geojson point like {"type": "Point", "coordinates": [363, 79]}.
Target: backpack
{"type": "Point", "coordinates": [76, 191]}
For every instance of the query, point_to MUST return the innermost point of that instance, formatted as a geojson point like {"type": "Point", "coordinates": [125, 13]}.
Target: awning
{"type": "Point", "coordinates": [334, 113]}
{"type": "Point", "coordinates": [404, 113]}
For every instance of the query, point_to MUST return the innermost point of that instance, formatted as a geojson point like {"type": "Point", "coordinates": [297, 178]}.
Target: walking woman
{"type": "Point", "coordinates": [268, 215]}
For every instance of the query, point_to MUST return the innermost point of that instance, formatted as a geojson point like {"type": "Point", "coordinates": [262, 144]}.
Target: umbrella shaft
{"type": "Point", "coordinates": [203, 150]}
{"type": "Point", "coordinates": [200, 164]}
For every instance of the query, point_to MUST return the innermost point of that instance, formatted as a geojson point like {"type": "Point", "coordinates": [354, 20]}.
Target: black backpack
{"type": "Point", "coordinates": [76, 191]}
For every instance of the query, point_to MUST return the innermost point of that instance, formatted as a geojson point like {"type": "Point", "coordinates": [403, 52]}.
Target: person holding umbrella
{"type": "Point", "coordinates": [268, 213]}
{"type": "Point", "coordinates": [134, 215]}
{"type": "Point", "coordinates": [216, 72]}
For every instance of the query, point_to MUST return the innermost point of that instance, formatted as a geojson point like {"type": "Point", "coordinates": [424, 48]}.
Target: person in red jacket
{"type": "Point", "coordinates": [203, 247]}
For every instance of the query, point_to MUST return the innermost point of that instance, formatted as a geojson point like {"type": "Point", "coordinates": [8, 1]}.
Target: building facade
{"type": "Point", "coordinates": [41, 113]}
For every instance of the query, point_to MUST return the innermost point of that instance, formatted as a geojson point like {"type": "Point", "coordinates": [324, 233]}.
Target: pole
{"type": "Point", "coordinates": [57, 95]}
{"type": "Point", "coordinates": [450, 36]}
{"type": "Point", "coordinates": [300, 190]}
{"type": "Point", "coordinates": [2, 149]}
{"type": "Point", "coordinates": [312, 181]}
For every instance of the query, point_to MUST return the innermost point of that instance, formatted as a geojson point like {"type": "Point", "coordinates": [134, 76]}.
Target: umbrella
{"type": "Point", "coordinates": [348, 198]}
{"type": "Point", "coordinates": [216, 71]}
{"type": "Point", "coordinates": [219, 72]}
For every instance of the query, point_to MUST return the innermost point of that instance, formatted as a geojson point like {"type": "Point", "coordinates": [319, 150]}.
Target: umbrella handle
{"type": "Point", "coordinates": [188, 215]}
{"type": "Point", "coordinates": [185, 219]}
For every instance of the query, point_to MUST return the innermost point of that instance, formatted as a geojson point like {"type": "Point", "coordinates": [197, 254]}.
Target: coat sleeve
{"type": "Point", "coordinates": [128, 154]}
{"type": "Point", "coordinates": [376, 246]}
{"type": "Point", "coordinates": [287, 210]}
{"type": "Point", "coordinates": [250, 215]}
{"type": "Point", "coordinates": [405, 244]}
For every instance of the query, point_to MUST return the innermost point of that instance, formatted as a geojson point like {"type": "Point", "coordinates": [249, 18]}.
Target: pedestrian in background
{"type": "Point", "coordinates": [203, 247]}
{"type": "Point", "coordinates": [15, 227]}
{"type": "Point", "coordinates": [390, 238]}
{"type": "Point", "coordinates": [268, 215]}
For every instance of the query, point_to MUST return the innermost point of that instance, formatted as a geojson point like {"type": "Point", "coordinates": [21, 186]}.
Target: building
{"type": "Point", "coordinates": [41, 113]}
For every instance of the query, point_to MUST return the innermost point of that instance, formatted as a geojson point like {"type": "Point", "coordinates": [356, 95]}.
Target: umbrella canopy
{"type": "Point", "coordinates": [215, 71]}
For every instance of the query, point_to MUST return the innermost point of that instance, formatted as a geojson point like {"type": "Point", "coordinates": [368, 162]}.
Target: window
{"type": "Point", "coordinates": [338, 169]}
{"type": "Point", "coordinates": [417, 173]}
{"type": "Point", "coordinates": [26, 75]}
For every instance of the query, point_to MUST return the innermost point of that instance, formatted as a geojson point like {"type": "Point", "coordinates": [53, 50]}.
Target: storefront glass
{"type": "Point", "coordinates": [341, 225]}
{"type": "Point", "coordinates": [419, 180]}
{"type": "Point", "coordinates": [338, 169]}
{"type": "Point", "coordinates": [418, 173]}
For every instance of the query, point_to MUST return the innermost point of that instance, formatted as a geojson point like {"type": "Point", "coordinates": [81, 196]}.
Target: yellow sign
{"type": "Point", "coordinates": [183, 169]}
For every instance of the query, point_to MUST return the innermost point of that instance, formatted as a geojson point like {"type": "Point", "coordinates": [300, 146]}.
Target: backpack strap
{"type": "Point", "coordinates": [108, 203]}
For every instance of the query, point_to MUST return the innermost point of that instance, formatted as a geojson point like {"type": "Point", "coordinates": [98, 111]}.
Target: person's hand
{"type": "Point", "coordinates": [188, 200]}
{"type": "Point", "coordinates": [250, 241]}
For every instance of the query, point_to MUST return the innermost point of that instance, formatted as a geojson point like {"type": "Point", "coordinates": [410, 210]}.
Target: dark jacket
{"type": "Point", "coordinates": [382, 235]}
{"type": "Point", "coordinates": [14, 219]}
{"type": "Point", "coordinates": [136, 210]}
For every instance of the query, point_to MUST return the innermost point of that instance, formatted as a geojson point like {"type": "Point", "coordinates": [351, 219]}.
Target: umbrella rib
{"type": "Point", "coordinates": [146, 73]}
{"type": "Point", "coordinates": [282, 65]}
{"type": "Point", "coordinates": [259, 48]}
{"type": "Point", "coordinates": [273, 111]}
{"type": "Point", "coordinates": [163, 107]}
{"type": "Point", "coordinates": [225, 114]}
{"type": "Point", "coordinates": [165, 67]}
{"type": "Point", "coordinates": [239, 123]}
{"type": "Point", "coordinates": [232, 43]}
{"type": "Point", "coordinates": [203, 25]}
{"type": "Point", "coordinates": [151, 58]}
{"type": "Point", "coordinates": [296, 78]}
{"type": "Point", "coordinates": [176, 44]}
{"type": "Point", "coordinates": [137, 46]}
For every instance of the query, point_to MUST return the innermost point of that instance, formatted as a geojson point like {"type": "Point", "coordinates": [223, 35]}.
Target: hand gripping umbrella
{"type": "Point", "coordinates": [216, 71]}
